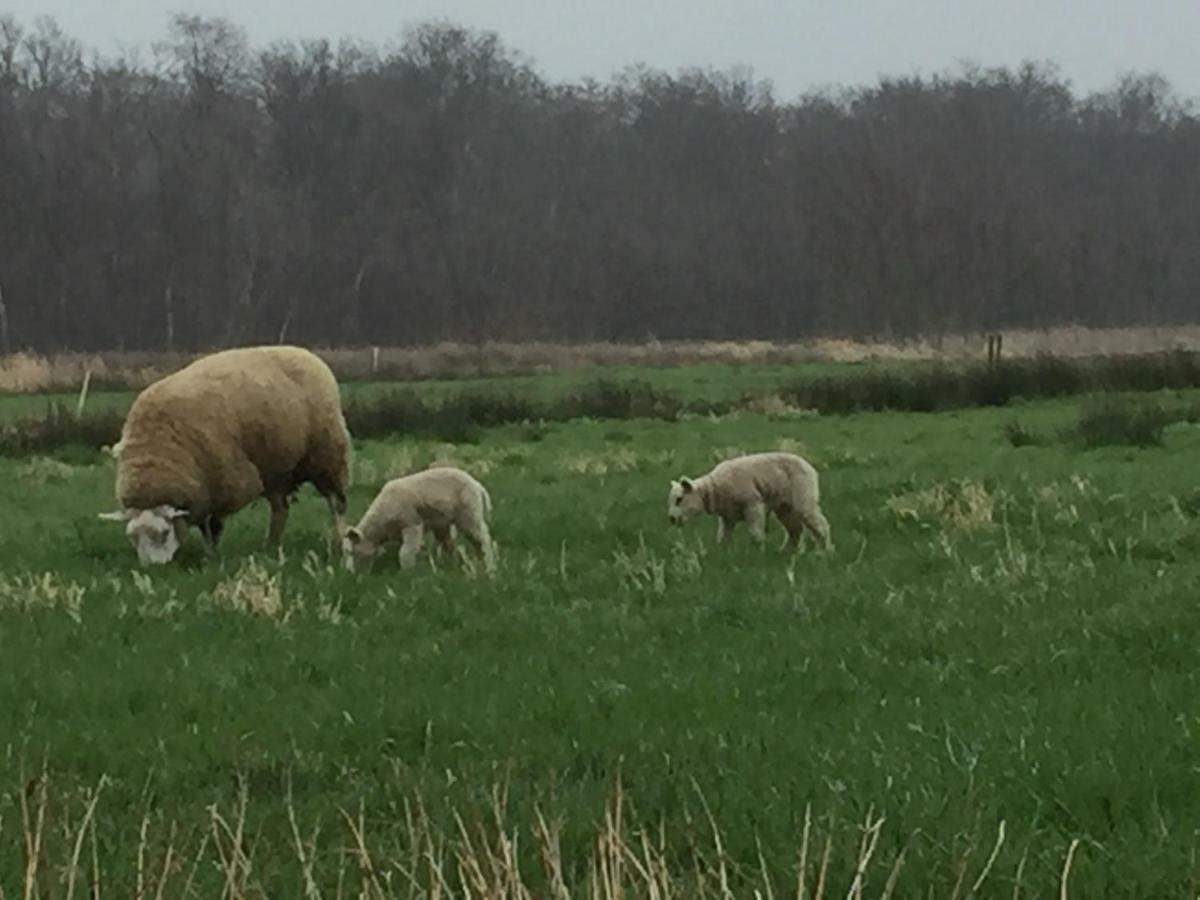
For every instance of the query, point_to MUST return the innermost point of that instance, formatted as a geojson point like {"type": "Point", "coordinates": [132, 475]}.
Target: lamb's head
{"type": "Point", "coordinates": [357, 548]}
{"type": "Point", "coordinates": [683, 501]}
{"type": "Point", "coordinates": [155, 533]}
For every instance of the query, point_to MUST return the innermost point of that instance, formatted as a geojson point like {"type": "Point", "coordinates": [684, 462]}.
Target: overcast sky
{"type": "Point", "coordinates": [796, 44]}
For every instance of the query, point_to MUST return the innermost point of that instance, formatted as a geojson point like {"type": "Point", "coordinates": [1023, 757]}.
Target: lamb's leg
{"type": "Point", "coordinates": [793, 524]}
{"type": "Point", "coordinates": [412, 540]}
{"type": "Point", "coordinates": [445, 540]}
{"type": "Point", "coordinates": [723, 529]}
{"type": "Point", "coordinates": [815, 522]}
{"type": "Point", "coordinates": [756, 521]}
{"type": "Point", "coordinates": [279, 517]}
{"type": "Point", "coordinates": [476, 532]}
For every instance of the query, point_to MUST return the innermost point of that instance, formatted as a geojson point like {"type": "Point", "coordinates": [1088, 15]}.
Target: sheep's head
{"type": "Point", "coordinates": [155, 533]}
{"type": "Point", "coordinates": [683, 501]}
{"type": "Point", "coordinates": [357, 548]}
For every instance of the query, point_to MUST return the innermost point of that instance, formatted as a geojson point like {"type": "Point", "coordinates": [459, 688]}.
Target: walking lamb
{"type": "Point", "coordinates": [440, 499]}
{"type": "Point", "coordinates": [746, 488]}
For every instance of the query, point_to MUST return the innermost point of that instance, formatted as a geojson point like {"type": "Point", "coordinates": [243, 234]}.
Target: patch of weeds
{"type": "Point", "coordinates": [1121, 422]}
{"type": "Point", "coordinates": [962, 504]}
{"type": "Point", "coordinates": [59, 428]}
{"type": "Point", "coordinates": [936, 387]}
{"type": "Point", "coordinates": [1019, 435]}
{"type": "Point", "coordinates": [616, 400]}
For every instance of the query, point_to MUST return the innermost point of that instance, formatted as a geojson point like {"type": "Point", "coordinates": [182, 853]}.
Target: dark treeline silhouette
{"type": "Point", "coordinates": [203, 193]}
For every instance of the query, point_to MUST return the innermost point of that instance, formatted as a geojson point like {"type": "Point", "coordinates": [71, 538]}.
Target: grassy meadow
{"type": "Point", "coordinates": [989, 688]}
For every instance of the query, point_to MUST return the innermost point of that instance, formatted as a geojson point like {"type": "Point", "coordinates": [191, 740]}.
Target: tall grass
{"type": "Point", "coordinates": [482, 855]}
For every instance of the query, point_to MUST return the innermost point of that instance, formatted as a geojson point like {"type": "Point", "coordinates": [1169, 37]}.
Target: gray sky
{"type": "Point", "coordinates": [797, 44]}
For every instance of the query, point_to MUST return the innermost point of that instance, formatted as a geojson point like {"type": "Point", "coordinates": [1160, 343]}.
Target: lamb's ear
{"type": "Point", "coordinates": [121, 515]}
{"type": "Point", "coordinates": [173, 513]}
{"type": "Point", "coordinates": [687, 485]}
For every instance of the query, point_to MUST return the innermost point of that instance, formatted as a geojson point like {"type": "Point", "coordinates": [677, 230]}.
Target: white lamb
{"type": "Point", "coordinates": [440, 499]}
{"type": "Point", "coordinates": [746, 489]}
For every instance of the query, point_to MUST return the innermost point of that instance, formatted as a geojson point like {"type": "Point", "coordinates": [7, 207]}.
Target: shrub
{"type": "Point", "coordinates": [460, 417]}
{"type": "Point", "coordinates": [1019, 436]}
{"type": "Point", "coordinates": [1119, 421]}
{"type": "Point", "coordinates": [57, 428]}
{"type": "Point", "coordinates": [932, 388]}
{"type": "Point", "coordinates": [613, 400]}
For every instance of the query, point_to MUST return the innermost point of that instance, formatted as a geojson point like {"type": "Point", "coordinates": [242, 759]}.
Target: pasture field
{"type": "Point", "coordinates": [715, 382]}
{"type": "Point", "coordinates": [989, 688]}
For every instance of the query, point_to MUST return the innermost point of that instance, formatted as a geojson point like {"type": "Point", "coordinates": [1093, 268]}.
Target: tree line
{"type": "Point", "coordinates": [203, 193]}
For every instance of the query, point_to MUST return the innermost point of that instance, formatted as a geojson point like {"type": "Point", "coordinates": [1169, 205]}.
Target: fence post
{"type": "Point", "coordinates": [374, 361]}
{"type": "Point", "coordinates": [5, 347]}
{"type": "Point", "coordinates": [83, 392]}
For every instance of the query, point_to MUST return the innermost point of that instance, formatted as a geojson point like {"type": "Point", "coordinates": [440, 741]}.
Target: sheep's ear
{"type": "Point", "coordinates": [121, 515]}
{"type": "Point", "coordinates": [170, 513]}
{"type": "Point", "coordinates": [353, 535]}
{"type": "Point", "coordinates": [686, 484]}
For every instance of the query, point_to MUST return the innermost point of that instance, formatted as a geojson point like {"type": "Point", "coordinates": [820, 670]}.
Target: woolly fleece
{"type": "Point", "coordinates": [746, 488]}
{"type": "Point", "coordinates": [231, 428]}
{"type": "Point", "coordinates": [438, 498]}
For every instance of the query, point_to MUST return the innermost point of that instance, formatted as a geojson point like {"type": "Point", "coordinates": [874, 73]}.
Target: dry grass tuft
{"type": "Point", "coordinates": [604, 462]}
{"type": "Point", "coordinates": [962, 505]}
{"type": "Point", "coordinates": [774, 406]}
{"type": "Point", "coordinates": [47, 590]}
{"type": "Point", "coordinates": [43, 470]}
{"type": "Point", "coordinates": [485, 855]}
{"type": "Point", "coordinates": [252, 590]}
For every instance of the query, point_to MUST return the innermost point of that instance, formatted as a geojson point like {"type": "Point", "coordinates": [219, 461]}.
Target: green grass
{"type": "Point", "coordinates": [1002, 635]}
{"type": "Point", "coordinates": [714, 381]}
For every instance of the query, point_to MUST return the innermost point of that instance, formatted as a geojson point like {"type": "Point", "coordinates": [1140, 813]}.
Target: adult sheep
{"type": "Point", "coordinates": [203, 442]}
{"type": "Point", "coordinates": [747, 488]}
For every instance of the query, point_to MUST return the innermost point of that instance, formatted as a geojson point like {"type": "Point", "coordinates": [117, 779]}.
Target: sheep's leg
{"type": "Point", "coordinates": [477, 533]}
{"type": "Point", "coordinates": [793, 528]}
{"type": "Point", "coordinates": [279, 517]}
{"type": "Point", "coordinates": [793, 524]}
{"type": "Point", "coordinates": [412, 539]}
{"type": "Point", "coordinates": [815, 522]}
{"type": "Point", "coordinates": [723, 529]}
{"type": "Point", "coordinates": [337, 512]}
{"type": "Point", "coordinates": [445, 540]}
{"type": "Point", "coordinates": [756, 521]}
{"type": "Point", "coordinates": [181, 529]}
{"type": "Point", "coordinates": [210, 530]}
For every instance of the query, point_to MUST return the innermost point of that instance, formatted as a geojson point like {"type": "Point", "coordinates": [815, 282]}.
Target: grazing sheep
{"type": "Point", "coordinates": [747, 488]}
{"type": "Point", "coordinates": [440, 499]}
{"type": "Point", "coordinates": [203, 442]}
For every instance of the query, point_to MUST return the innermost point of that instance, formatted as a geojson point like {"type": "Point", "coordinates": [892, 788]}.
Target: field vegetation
{"type": "Point", "coordinates": [987, 689]}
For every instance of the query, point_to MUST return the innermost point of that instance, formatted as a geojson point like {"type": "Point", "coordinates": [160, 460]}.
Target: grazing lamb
{"type": "Point", "coordinates": [203, 442]}
{"type": "Point", "coordinates": [440, 499]}
{"type": "Point", "coordinates": [747, 488]}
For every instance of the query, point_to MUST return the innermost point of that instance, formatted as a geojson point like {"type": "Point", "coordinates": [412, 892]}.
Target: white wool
{"type": "Point", "coordinates": [439, 500]}
{"type": "Point", "coordinates": [202, 443]}
{"type": "Point", "coordinates": [747, 488]}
